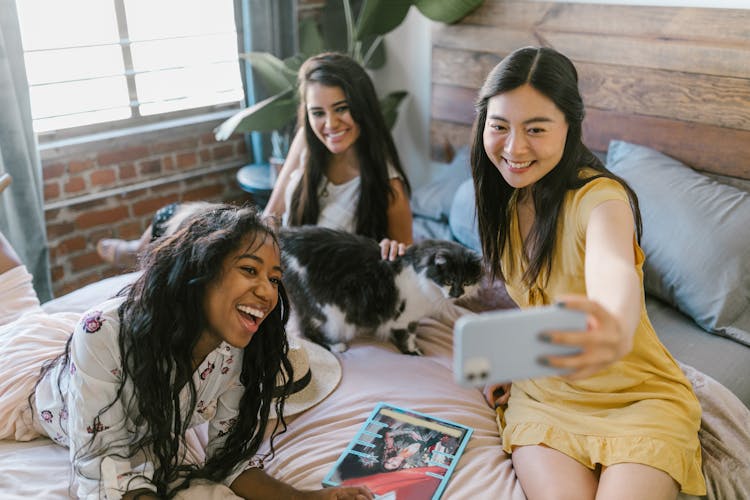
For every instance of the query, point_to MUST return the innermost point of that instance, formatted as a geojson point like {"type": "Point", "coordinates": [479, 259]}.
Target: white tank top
{"type": "Point", "coordinates": [338, 202]}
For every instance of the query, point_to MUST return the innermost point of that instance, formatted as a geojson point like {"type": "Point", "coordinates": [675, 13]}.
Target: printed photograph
{"type": "Point", "coordinates": [401, 452]}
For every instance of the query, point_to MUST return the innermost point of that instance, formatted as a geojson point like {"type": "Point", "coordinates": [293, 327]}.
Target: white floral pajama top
{"type": "Point", "coordinates": [88, 383]}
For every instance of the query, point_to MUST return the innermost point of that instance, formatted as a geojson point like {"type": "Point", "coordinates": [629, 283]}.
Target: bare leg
{"type": "Point", "coordinates": [549, 474]}
{"type": "Point", "coordinates": [8, 257]}
{"type": "Point", "coordinates": [123, 253]}
{"type": "Point", "coordinates": [623, 481]}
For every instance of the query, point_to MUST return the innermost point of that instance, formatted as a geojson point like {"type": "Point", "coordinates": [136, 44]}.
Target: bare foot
{"type": "Point", "coordinates": [5, 180]}
{"type": "Point", "coordinates": [120, 253]}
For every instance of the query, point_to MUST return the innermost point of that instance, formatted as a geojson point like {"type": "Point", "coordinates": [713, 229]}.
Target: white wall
{"type": "Point", "coordinates": [408, 68]}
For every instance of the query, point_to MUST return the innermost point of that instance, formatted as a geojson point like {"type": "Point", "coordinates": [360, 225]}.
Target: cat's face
{"type": "Point", "coordinates": [452, 266]}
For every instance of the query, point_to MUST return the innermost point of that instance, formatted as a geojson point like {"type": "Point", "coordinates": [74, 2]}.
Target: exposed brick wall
{"type": "Point", "coordinates": [112, 188]}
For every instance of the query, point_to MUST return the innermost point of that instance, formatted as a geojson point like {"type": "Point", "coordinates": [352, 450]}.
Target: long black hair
{"type": "Point", "coordinates": [375, 148]}
{"type": "Point", "coordinates": [162, 319]}
{"type": "Point", "coordinates": [555, 76]}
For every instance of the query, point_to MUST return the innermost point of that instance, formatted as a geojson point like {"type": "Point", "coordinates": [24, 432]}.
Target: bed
{"type": "Point", "coordinates": [650, 78]}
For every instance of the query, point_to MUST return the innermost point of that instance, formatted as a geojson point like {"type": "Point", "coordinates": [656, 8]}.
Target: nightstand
{"type": "Point", "coordinates": [256, 180]}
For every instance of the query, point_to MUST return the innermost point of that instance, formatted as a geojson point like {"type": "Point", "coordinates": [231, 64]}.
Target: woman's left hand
{"type": "Point", "coordinates": [602, 344]}
{"type": "Point", "coordinates": [391, 249]}
{"type": "Point", "coordinates": [497, 394]}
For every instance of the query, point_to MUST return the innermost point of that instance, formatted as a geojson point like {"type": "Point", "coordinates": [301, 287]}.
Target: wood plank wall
{"type": "Point", "coordinates": [676, 79]}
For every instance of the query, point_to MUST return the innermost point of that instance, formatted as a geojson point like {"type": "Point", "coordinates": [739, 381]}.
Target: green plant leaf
{"type": "Point", "coordinates": [373, 58]}
{"type": "Point", "coordinates": [294, 62]}
{"type": "Point", "coordinates": [274, 74]}
{"type": "Point", "coordinates": [310, 39]}
{"type": "Point", "coordinates": [379, 17]}
{"type": "Point", "coordinates": [333, 26]}
{"type": "Point", "coordinates": [446, 11]}
{"type": "Point", "coordinates": [390, 104]}
{"type": "Point", "coordinates": [269, 114]}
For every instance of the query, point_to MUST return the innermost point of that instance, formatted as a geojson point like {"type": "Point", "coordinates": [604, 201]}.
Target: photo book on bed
{"type": "Point", "coordinates": [400, 453]}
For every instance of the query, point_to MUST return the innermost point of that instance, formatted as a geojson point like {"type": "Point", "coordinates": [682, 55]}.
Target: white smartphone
{"type": "Point", "coordinates": [496, 347]}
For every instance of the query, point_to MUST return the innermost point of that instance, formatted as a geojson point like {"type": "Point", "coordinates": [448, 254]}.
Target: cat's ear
{"type": "Point", "coordinates": [440, 259]}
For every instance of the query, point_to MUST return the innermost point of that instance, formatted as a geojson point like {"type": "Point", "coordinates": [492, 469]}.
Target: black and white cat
{"type": "Point", "coordinates": [341, 288]}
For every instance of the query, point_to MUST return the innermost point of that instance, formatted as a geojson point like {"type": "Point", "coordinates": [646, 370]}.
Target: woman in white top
{"type": "Point", "coordinates": [199, 337]}
{"type": "Point", "coordinates": [342, 170]}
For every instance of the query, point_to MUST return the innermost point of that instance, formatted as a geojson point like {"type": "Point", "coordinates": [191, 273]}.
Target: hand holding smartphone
{"type": "Point", "coordinates": [501, 346]}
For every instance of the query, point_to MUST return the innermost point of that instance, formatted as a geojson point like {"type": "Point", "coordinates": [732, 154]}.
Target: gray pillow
{"type": "Point", "coordinates": [463, 217]}
{"type": "Point", "coordinates": [696, 237]}
{"type": "Point", "coordinates": [434, 199]}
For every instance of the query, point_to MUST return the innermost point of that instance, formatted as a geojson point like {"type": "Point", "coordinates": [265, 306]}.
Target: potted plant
{"type": "Point", "coordinates": [365, 23]}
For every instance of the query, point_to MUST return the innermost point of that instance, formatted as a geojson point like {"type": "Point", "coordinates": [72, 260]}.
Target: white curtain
{"type": "Point", "coordinates": [22, 204]}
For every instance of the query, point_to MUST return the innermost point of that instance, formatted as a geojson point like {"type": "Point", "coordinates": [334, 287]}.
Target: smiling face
{"type": "Point", "coordinates": [524, 135]}
{"type": "Point", "coordinates": [243, 295]}
{"type": "Point", "coordinates": [330, 117]}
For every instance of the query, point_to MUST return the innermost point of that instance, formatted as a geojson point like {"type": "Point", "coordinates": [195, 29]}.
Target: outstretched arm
{"type": "Point", "coordinates": [613, 311]}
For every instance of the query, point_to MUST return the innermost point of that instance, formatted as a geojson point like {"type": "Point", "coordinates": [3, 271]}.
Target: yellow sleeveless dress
{"type": "Point", "coordinates": [641, 409]}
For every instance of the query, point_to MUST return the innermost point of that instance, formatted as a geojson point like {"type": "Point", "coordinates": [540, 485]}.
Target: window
{"type": "Point", "coordinates": [119, 63]}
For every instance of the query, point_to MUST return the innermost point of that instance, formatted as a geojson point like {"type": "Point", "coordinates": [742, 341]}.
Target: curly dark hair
{"type": "Point", "coordinates": [375, 147]}
{"type": "Point", "coordinates": [162, 318]}
{"type": "Point", "coordinates": [555, 76]}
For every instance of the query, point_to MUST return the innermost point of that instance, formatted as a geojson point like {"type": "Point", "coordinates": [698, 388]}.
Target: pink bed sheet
{"type": "Point", "coordinates": [373, 372]}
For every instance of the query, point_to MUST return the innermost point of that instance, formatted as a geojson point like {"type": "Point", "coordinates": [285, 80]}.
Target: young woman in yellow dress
{"type": "Point", "coordinates": [557, 226]}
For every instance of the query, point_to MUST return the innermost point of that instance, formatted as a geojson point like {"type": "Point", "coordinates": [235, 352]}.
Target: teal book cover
{"type": "Point", "coordinates": [401, 454]}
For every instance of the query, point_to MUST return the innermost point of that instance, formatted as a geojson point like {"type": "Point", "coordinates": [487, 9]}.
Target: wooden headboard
{"type": "Point", "coordinates": [676, 79]}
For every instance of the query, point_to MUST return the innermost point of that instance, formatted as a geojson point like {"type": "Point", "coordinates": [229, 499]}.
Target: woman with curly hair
{"type": "Point", "coordinates": [198, 338]}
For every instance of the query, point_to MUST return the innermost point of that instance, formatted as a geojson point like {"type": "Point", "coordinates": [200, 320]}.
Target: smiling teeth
{"type": "Point", "coordinates": [337, 134]}
{"type": "Point", "coordinates": [251, 311]}
{"type": "Point", "coordinates": [518, 165]}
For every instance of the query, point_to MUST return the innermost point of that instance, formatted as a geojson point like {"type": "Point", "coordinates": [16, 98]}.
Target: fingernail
{"type": "Point", "coordinates": [544, 337]}
{"type": "Point", "coordinates": [542, 361]}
